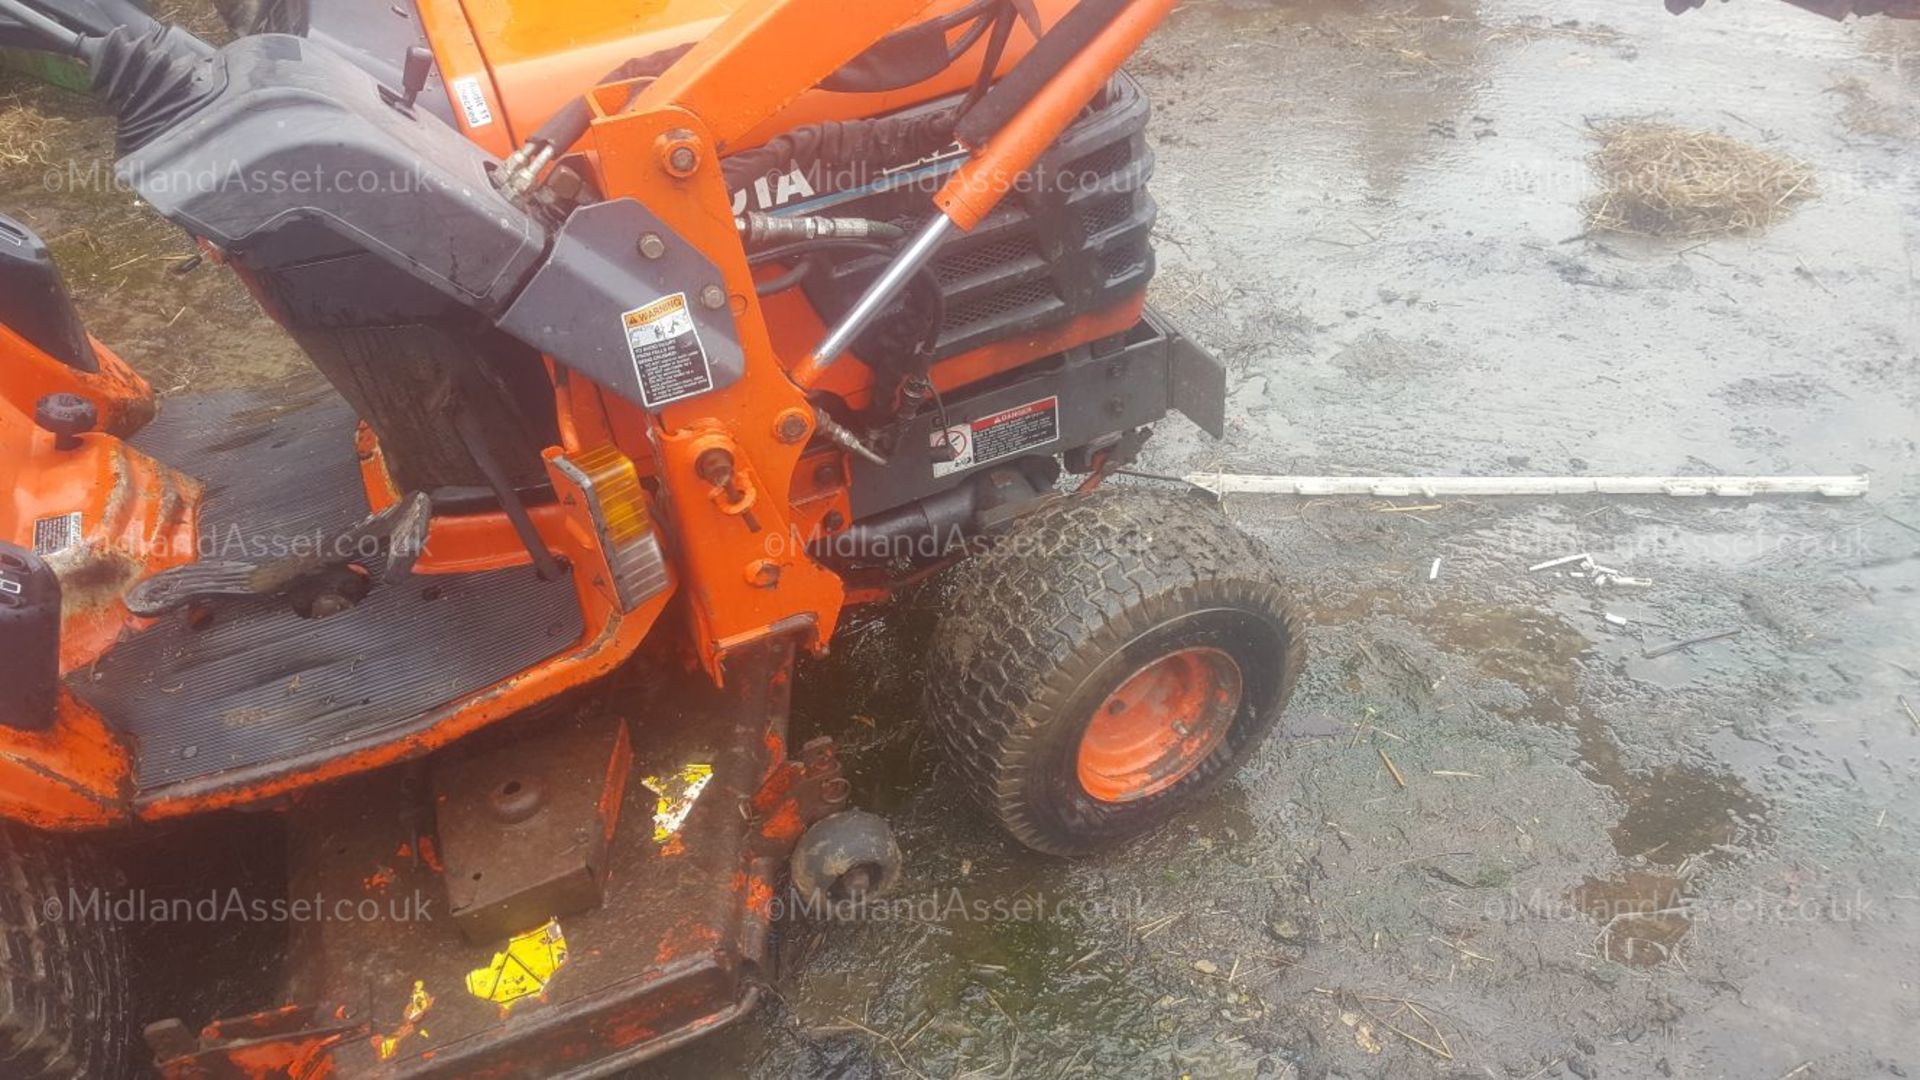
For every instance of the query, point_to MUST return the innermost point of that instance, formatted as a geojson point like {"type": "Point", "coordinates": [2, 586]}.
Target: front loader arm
{"type": "Point", "coordinates": [765, 55]}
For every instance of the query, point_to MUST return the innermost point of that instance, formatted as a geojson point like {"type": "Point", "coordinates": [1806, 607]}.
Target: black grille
{"type": "Point", "coordinates": [1072, 240]}
{"type": "Point", "coordinates": [979, 260]}
{"type": "Point", "coordinates": [1107, 213]}
{"type": "Point", "coordinates": [1104, 162]}
{"type": "Point", "coordinates": [1123, 259]}
{"type": "Point", "coordinates": [997, 304]}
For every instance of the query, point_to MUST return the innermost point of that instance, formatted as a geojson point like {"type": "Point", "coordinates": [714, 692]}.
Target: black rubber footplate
{"type": "Point", "coordinates": [258, 683]}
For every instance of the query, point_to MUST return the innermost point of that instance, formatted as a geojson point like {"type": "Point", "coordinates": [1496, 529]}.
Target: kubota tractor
{"type": "Point", "coordinates": [655, 336]}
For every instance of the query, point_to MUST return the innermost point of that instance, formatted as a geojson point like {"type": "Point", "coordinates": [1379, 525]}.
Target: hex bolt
{"type": "Point", "coordinates": [714, 297]}
{"type": "Point", "coordinates": [679, 152]}
{"type": "Point", "coordinates": [791, 427]}
{"type": "Point", "coordinates": [652, 246]}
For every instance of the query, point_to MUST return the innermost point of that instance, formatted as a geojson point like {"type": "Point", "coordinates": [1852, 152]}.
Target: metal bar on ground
{"type": "Point", "coordinates": [1431, 486]}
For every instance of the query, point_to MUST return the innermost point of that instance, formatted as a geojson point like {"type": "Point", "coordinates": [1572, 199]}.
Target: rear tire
{"type": "Point", "coordinates": [64, 1004]}
{"type": "Point", "coordinates": [1086, 613]}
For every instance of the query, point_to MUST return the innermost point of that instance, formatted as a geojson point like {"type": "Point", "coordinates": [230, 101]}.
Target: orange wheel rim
{"type": "Point", "coordinates": [1162, 722]}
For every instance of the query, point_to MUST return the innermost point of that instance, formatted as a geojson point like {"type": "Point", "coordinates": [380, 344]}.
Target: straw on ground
{"type": "Point", "coordinates": [1661, 180]}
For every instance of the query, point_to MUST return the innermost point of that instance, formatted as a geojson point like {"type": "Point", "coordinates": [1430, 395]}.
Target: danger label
{"type": "Point", "coordinates": [473, 101]}
{"type": "Point", "coordinates": [52, 534]}
{"type": "Point", "coordinates": [1004, 434]}
{"type": "Point", "coordinates": [667, 355]}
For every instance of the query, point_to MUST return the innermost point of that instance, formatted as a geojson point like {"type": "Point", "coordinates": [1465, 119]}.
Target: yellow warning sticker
{"type": "Point", "coordinates": [677, 792]}
{"type": "Point", "coordinates": [523, 969]}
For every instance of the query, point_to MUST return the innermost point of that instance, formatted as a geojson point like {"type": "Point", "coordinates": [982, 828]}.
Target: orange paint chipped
{"type": "Point", "coordinates": [760, 897]}
{"type": "Point", "coordinates": [379, 879]}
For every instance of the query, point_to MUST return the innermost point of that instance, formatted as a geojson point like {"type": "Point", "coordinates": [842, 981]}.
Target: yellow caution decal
{"type": "Point", "coordinates": [677, 794]}
{"type": "Point", "coordinates": [523, 969]}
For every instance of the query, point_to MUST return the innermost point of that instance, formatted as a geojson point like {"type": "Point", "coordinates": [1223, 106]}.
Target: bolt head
{"type": "Point", "coordinates": [714, 465]}
{"type": "Point", "coordinates": [682, 159]}
{"type": "Point", "coordinates": [714, 297]}
{"type": "Point", "coordinates": [652, 246]}
{"type": "Point", "coordinates": [791, 428]}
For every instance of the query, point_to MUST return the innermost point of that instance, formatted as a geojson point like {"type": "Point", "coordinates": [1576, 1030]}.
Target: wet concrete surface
{"type": "Point", "coordinates": [1603, 863]}
{"type": "Point", "coordinates": [1700, 864]}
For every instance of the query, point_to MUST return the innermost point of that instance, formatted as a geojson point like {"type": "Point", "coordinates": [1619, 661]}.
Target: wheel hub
{"type": "Point", "coordinates": [1159, 724]}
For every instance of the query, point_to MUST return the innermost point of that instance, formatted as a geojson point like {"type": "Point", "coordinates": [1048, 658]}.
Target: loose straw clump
{"type": "Point", "coordinates": [1661, 180]}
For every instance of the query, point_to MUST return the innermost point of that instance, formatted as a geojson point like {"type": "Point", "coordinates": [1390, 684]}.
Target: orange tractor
{"type": "Point", "coordinates": [654, 337]}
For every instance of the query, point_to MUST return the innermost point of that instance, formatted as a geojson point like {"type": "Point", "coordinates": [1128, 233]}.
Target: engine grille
{"type": "Point", "coordinates": [1073, 239]}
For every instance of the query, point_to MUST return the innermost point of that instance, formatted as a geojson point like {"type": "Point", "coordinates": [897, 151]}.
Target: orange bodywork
{"type": "Point", "coordinates": [738, 549]}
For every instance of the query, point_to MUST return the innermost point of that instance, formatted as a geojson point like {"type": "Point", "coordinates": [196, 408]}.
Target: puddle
{"type": "Point", "coordinates": [1642, 916]}
{"type": "Point", "coordinates": [1673, 812]}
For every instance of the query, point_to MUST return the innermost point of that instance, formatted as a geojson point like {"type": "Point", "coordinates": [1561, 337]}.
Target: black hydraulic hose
{"type": "Point", "coordinates": [787, 280]}
{"type": "Point", "coordinates": [973, 34]}
{"type": "Point", "coordinates": [806, 250]}
{"type": "Point", "coordinates": [1054, 50]}
{"type": "Point", "coordinates": [972, 11]}
{"type": "Point", "coordinates": [566, 127]}
{"type": "Point", "coordinates": [56, 37]}
{"type": "Point", "coordinates": [996, 48]}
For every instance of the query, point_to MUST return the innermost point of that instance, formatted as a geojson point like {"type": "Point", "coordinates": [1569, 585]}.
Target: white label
{"type": "Point", "coordinates": [473, 101]}
{"type": "Point", "coordinates": [8, 585]}
{"type": "Point", "coordinates": [1004, 434]}
{"type": "Point", "coordinates": [668, 358]}
{"type": "Point", "coordinates": [51, 534]}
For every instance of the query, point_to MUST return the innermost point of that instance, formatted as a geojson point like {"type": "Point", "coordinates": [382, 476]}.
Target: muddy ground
{"type": "Point", "coordinates": [1497, 838]}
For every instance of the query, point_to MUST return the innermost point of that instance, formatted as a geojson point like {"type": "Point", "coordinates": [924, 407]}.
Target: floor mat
{"type": "Point", "coordinates": [259, 683]}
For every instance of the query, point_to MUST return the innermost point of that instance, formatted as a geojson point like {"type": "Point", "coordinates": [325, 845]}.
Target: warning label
{"type": "Point", "coordinates": [1004, 434]}
{"type": "Point", "coordinates": [667, 354]}
{"type": "Point", "coordinates": [51, 534]}
{"type": "Point", "coordinates": [473, 101]}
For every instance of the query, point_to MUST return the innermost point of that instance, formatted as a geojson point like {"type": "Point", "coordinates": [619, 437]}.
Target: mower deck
{"type": "Point", "coordinates": [667, 957]}
{"type": "Point", "coordinates": [259, 683]}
